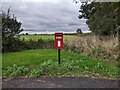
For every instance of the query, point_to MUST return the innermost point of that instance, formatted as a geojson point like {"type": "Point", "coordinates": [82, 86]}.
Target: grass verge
{"type": "Point", "coordinates": [43, 62]}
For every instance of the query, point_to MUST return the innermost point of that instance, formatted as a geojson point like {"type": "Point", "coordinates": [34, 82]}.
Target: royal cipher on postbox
{"type": "Point", "coordinates": [59, 40]}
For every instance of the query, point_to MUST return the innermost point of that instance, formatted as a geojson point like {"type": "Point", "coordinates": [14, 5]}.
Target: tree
{"type": "Point", "coordinates": [10, 25]}
{"type": "Point", "coordinates": [10, 28]}
{"type": "Point", "coordinates": [79, 31]}
{"type": "Point", "coordinates": [102, 17]}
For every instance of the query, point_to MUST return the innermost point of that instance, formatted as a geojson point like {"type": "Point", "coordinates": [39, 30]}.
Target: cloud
{"type": "Point", "coordinates": [47, 16]}
{"type": "Point", "coordinates": [37, 1]}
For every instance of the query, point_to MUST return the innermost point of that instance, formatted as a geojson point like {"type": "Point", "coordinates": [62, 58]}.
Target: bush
{"type": "Point", "coordinates": [26, 34]}
{"type": "Point", "coordinates": [15, 44]}
{"type": "Point", "coordinates": [39, 44]}
{"type": "Point", "coordinates": [12, 45]}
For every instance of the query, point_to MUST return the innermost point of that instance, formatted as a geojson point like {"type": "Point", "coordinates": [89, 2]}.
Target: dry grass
{"type": "Point", "coordinates": [99, 47]}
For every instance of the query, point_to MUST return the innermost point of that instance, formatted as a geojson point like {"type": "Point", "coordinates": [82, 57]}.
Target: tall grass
{"type": "Point", "coordinates": [105, 48]}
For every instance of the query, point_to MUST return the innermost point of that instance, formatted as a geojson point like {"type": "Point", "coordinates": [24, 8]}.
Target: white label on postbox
{"type": "Point", "coordinates": [59, 44]}
{"type": "Point", "coordinates": [58, 37]}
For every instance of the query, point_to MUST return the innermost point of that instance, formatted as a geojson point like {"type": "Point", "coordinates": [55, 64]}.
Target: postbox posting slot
{"type": "Point", "coordinates": [59, 43]}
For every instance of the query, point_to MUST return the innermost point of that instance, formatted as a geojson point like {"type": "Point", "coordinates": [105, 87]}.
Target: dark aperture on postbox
{"type": "Point", "coordinates": [58, 40]}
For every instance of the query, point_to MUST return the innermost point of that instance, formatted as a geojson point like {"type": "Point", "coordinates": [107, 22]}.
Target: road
{"type": "Point", "coordinates": [59, 82]}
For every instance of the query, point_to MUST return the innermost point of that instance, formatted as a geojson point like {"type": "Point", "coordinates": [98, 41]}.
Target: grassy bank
{"type": "Point", "coordinates": [43, 62]}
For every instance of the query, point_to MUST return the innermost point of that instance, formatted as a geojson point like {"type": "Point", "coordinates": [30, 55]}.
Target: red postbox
{"type": "Point", "coordinates": [59, 40]}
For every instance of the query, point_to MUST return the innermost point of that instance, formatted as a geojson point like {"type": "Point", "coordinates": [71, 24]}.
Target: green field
{"type": "Point", "coordinates": [45, 37]}
{"type": "Point", "coordinates": [43, 62]}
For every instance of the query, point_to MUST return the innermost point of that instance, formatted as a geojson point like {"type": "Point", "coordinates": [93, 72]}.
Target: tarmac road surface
{"type": "Point", "coordinates": [59, 82]}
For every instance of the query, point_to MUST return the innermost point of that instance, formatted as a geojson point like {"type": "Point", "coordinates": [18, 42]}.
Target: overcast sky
{"type": "Point", "coordinates": [47, 16]}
